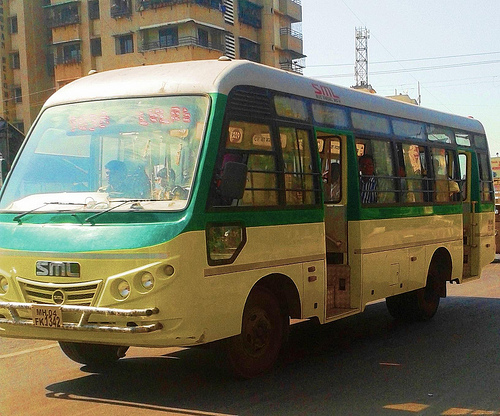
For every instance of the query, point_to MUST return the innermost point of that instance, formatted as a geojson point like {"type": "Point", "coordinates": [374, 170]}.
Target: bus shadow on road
{"type": "Point", "coordinates": [357, 365]}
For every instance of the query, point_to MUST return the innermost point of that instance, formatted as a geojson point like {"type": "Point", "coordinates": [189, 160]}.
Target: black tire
{"type": "Point", "coordinates": [263, 331]}
{"type": "Point", "coordinates": [418, 305]}
{"type": "Point", "coordinates": [93, 355]}
{"type": "Point", "coordinates": [397, 307]}
{"type": "Point", "coordinates": [427, 300]}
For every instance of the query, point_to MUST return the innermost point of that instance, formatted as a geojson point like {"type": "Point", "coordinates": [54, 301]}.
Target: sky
{"type": "Point", "coordinates": [450, 47]}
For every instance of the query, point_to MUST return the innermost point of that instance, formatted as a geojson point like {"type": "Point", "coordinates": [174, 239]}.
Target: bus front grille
{"type": "Point", "coordinates": [80, 294]}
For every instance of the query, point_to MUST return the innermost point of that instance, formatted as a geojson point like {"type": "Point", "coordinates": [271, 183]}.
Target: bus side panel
{"type": "Point", "coordinates": [393, 255]}
{"type": "Point", "coordinates": [483, 242]}
{"type": "Point", "coordinates": [294, 251]}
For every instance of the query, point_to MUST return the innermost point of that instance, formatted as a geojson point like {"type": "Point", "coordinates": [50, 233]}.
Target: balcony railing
{"type": "Point", "coordinates": [291, 41]}
{"type": "Point", "coordinates": [142, 5]}
{"type": "Point", "coordinates": [292, 66]}
{"type": "Point", "coordinates": [73, 58]}
{"type": "Point", "coordinates": [291, 8]}
{"type": "Point", "coordinates": [291, 32]}
{"type": "Point", "coordinates": [121, 9]}
{"type": "Point", "coordinates": [182, 41]}
{"type": "Point", "coordinates": [58, 20]}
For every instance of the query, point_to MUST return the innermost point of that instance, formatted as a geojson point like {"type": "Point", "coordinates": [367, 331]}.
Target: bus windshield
{"type": "Point", "coordinates": [98, 155]}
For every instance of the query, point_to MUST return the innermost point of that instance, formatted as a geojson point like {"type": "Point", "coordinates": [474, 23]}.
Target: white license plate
{"type": "Point", "coordinates": [47, 316]}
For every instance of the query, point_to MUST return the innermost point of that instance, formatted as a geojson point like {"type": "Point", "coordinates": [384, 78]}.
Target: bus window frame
{"type": "Point", "coordinates": [358, 131]}
{"type": "Point", "coordinates": [396, 191]}
{"type": "Point", "coordinates": [274, 121]}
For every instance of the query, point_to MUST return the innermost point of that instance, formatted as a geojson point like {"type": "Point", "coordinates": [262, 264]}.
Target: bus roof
{"type": "Point", "coordinates": [221, 76]}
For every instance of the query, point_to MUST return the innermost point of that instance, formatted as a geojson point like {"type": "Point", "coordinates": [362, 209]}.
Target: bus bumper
{"type": "Point", "coordinates": [17, 319]}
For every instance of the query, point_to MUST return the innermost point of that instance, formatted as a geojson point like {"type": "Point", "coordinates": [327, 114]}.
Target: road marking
{"type": "Point", "coordinates": [453, 411]}
{"type": "Point", "coordinates": [407, 407]}
{"type": "Point", "coordinates": [457, 411]}
{"type": "Point", "coordinates": [29, 351]}
{"type": "Point", "coordinates": [172, 411]}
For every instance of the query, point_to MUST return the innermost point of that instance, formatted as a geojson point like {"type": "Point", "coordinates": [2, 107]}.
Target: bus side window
{"type": "Point", "coordinates": [331, 170]}
{"type": "Point", "coordinates": [377, 176]}
{"type": "Point", "coordinates": [411, 173]}
{"type": "Point", "coordinates": [250, 143]}
{"type": "Point", "coordinates": [298, 166]}
{"type": "Point", "coordinates": [445, 186]}
{"type": "Point", "coordinates": [462, 166]}
{"type": "Point", "coordinates": [486, 178]}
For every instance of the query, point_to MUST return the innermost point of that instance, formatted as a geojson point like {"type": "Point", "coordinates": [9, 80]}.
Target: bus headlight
{"type": "Point", "coordinates": [147, 281]}
{"type": "Point", "coordinates": [123, 289]}
{"type": "Point", "coordinates": [4, 285]}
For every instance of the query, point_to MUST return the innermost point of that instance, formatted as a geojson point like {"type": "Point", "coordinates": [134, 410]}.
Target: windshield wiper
{"type": "Point", "coordinates": [18, 217]}
{"type": "Point", "coordinates": [134, 202]}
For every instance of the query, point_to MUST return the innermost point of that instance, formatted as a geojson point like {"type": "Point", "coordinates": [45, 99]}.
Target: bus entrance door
{"type": "Point", "coordinates": [333, 164]}
{"type": "Point", "coordinates": [470, 249]}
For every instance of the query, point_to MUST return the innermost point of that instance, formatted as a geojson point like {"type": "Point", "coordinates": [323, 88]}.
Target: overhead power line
{"type": "Point", "coordinates": [415, 69]}
{"type": "Point", "coordinates": [410, 60]}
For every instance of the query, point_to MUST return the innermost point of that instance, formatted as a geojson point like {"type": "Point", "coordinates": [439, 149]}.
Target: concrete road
{"type": "Point", "coordinates": [363, 365]}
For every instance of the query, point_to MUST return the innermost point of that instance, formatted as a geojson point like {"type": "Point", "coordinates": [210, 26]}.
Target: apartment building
{"type": "Point", "coordinates": [58, 41]}
{"type": "Point", "coordinates": [27, 81]}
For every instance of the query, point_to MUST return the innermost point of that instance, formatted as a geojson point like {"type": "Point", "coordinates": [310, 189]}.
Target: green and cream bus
{"type": "Point", "coordinates": [186, 203]}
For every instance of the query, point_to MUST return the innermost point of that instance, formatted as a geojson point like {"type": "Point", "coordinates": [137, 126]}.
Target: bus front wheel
{"type": "Point", "coordinates": [263, 331]}
{"type": "Point", "coordinates": [93, 355]}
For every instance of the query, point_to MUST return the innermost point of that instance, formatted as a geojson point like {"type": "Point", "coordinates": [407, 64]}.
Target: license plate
{"type": "Point", "coordinates": [47, 316]}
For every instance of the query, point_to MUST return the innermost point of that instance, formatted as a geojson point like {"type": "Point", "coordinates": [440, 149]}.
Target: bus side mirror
{"type": "Point", "coordinates": [233, 180]}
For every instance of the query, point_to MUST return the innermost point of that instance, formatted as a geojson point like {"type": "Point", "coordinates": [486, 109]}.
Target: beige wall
{"type": "Point", "coordinates": [32, 42]}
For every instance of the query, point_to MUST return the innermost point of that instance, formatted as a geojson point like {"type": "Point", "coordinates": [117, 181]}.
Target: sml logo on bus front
{"type": "Point", "coordinates": [325, 93]}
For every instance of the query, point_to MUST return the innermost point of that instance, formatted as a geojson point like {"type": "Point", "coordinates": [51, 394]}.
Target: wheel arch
{"type": "Point", "coordinates": [285, 291]}
{"type": "Point", "coordinates": [440, 270]}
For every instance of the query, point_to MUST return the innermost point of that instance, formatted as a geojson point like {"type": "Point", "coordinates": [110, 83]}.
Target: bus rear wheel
{"type": "Point", "coordinates": [94, 355]}
{"type": "Point", "coordinates": [418, 305]}
{"type": "Point", "coordinates": [263, 331]}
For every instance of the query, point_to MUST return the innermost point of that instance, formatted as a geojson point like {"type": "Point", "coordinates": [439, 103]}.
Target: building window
{"type": "Point", "coordinates": [249, 50]}
{"type": "Point", "coordinates": [63, 14]}
{"type": "Point", "coordinates": [94, 9]}
{"type": "Point", "coordinates": [121, 8]}
{"type": "Point", "coordinates": [250, 13]}
{"type": "Point", "coordinates": [203, 37]}
{"type": "Point", "coordinates": [68, 54]}
{"type": "Point", "coordinates": [15, 62]}
{"type": "Point", "coordinates": [124, 44]}
{"type": "Point", "coordinates": [18, 95]}
{"type": "Point", "coordinates": [95, 47]}
{"type": "Point", "coordinates": [168, 37]}
{"type": "Point", "coordinates": [13, 24]}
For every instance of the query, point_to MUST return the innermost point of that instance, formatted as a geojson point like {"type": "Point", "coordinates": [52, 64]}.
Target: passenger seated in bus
{"type": "Point", "coordinates": [164, 183]}
{"type": "Point", "coordinates": [140, 184]}
{"type": "Point", "coordinates": [367, 180]}
{"type": "Point", "coordinates": [446, 188]}
{"type": "Point", "coordinates": [116, 175]}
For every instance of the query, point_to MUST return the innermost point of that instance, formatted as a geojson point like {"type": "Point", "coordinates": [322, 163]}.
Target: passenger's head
{"type": "Point", "coordinates": [116, 172]}
{"type": "Point", "coordinates": [366, 165]}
